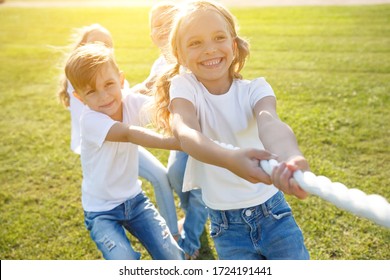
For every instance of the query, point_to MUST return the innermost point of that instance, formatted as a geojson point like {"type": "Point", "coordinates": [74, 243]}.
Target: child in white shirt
{"type": "Point", "coordinates": [249, 216]}
{"type": "Point", "coordinates": [112, 197]}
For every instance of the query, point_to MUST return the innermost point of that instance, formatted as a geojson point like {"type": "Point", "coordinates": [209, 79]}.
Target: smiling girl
{"type": "Point", "coordinates": [210, 102]}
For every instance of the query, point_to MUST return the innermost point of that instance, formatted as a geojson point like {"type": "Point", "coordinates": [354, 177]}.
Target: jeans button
{"type": "Point", "coordinates": [248, 213]}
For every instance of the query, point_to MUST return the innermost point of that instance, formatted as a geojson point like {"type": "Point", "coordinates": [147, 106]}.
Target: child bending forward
{"type": "Point", "coordinates": [112, 197]}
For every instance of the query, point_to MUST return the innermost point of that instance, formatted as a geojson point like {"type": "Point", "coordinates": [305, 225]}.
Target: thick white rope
{"type": "Point", "coordinates": [373, 207]}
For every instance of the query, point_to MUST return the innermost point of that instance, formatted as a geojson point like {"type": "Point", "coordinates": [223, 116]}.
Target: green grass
{"type": "Point", "coordinates": [329, 67]}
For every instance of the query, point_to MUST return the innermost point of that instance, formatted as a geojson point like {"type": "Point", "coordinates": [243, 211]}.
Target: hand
{"type": "Point", "coordinates": [282, 176]}
{"type": "Point", "coordinates": [246, 164]}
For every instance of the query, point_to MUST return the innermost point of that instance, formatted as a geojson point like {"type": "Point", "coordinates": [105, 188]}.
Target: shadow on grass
{"type": "Point", "coordinates": [207, 249]}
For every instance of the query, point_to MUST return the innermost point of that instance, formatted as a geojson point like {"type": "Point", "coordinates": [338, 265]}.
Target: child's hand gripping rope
{"type": "Point", "coordinates": [373, 207]}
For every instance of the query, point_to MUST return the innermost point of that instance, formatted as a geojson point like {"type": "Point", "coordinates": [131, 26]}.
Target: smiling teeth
{"type": "Point", "coordinates": [212, 62]}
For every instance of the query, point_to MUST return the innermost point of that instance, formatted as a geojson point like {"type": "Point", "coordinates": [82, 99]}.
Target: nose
{"type": "Point", "coordinates": [210, 48]}
{"type": "Point", "coordinates": [102, 94]}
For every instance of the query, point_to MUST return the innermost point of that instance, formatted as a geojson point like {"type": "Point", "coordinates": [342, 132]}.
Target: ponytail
{"type": "Point", "coordinates": [161, 112]}
{"type": "Point", "coordinates": [240, 56]}
{"type": "Point", "coordinates": [62, 93]}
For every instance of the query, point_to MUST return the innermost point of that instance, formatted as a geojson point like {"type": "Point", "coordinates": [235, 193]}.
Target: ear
{"type": "Point", "coordinates": [181, 61]}
{"type": "Point", "coordinates": [235, 47]}
{"type": "Point", "coordinates": [122, 78]}
{"type": "Point", "coordinates": [179, 58]}
{"type": "Point", "coordinates": [75, 94]}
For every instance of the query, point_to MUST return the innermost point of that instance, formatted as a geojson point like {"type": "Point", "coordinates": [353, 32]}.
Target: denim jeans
{"type": "Point", "coordinates": [139, 217]}
{"type": "Point", "coordinates": [264, 232]}
{"type": "Point", "coordinates": [151, 169]}
{"type": "Point", "coordinates": [191, 202]}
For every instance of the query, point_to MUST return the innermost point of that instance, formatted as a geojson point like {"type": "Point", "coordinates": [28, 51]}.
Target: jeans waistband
{"type": "Point", "coordinates": [237, 215]}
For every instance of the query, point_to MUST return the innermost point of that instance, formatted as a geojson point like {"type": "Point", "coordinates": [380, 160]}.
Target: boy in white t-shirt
{"type": "Point", "coordinates": [150, 168]}
{"type": "Point", "coordinates": [112, 197]}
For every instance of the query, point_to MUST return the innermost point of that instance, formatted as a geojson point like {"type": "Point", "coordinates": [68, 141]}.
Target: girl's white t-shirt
{"type": "Point", "coordinates": [110, 169]}
{"type": "Point", "coordinates": [159, 66]}
{"type": "Point", "coordinates": [227, 118]}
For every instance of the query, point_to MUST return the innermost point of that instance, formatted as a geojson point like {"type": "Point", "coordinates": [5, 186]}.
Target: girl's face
{"type": "Point", "coordinates": [159, 28]}
{"type": "Point", "coordinates": [106, 96]}
{"type": "Point", "coordinates": [205, 47]}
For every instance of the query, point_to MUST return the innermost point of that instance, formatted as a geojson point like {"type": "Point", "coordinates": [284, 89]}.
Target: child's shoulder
{"type": "Point", "coordinates": [184, 78]}
{"type": "Point", "coordinates": [133, 99]}
{"type": "Point", "coordinates": [257, 87]}
{"type": "Point", "coordinates": [260, 81]}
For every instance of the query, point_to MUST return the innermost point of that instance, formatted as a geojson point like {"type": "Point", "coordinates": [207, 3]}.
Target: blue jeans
{"type": "Point", "coordinates": [191, 202]}
{"type": "Point", "coordinates": [151, 169]}
{"type": "Point", "coordinates": [264, 232]}
{"type": "Point", "coordinates": [139, 217]}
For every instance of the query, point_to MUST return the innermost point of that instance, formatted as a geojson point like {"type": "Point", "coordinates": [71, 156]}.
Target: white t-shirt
{"type": "Point", "coordinates": [76, 107]}
{"type": "Point", "coordinates": [227, 118]}
{"type": "Point", "coordinates": [159, 66]}
{"type": "Point", "coordinates": [110, 169]}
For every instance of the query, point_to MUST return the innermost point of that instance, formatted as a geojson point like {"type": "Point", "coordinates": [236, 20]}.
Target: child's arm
{"type": "Point", "coordinates": [120, 132]}
{"type": "Point", "coordinates": [278, 138]}
{"type": "Point", "coordinates": [242, 162]}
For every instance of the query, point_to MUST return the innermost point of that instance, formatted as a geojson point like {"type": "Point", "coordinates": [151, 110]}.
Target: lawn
{"type": "Point", "coordinates": [330, 70]}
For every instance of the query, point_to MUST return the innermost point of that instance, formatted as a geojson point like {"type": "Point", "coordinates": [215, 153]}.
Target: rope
{"type": "Point", "coordinates": [373, 207]}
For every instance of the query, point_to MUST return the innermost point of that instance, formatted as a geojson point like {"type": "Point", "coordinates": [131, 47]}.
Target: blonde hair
{"type": "Point", "coordinates": [164, 7]}
{"type": "Point", "coordinates": [165, 10]}
{"type": "Point", "coordinates": [85, 62]}
{"type": "Point", "coordinates": [162, 100]}
{"type": "Point", "coordinates": [82, 36]}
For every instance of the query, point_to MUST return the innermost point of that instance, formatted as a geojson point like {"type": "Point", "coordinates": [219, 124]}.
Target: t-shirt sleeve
{"type": "Point", "coordinates": [259, 88]}
{"type": "Point", "coordinates": [181, 88]}
{"type": "Point", "coordinates": [94, 127]}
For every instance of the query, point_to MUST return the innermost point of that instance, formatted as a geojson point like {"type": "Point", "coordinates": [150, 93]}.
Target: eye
{"type": "Point", "coordinates": [220, 38]}
{"type": "Point", "coordinates": [194, 43]}
{"type": "Point", "coordinates": [89, 92]}
{"type": "Point", "coordinates": [110, 83]}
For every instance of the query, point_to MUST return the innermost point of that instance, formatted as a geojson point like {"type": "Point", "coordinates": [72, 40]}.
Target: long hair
{"type": "Point", "coordinates": [241, 52]}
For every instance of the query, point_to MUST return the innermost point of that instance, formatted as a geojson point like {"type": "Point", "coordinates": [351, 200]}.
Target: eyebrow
{"type": "Point", "coordinates": [214, 32]}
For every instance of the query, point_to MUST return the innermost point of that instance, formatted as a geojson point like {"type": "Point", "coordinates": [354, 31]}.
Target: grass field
{"type": "Point", "coordinates": [330, 70]}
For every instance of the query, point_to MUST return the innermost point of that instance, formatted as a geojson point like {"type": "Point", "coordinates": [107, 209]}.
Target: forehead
{"type": "Point", "coordinates": [161, 15]}
{"type": "Point", "coordinates": [103, 73]}
{"type": "Point", "coordinates": [202, 22]}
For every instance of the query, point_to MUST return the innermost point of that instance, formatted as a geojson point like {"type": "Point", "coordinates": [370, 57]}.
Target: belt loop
{"type": "Point", "coordinates": [224, 220]}
{"type": "Point", "coordinates": [264, 209]}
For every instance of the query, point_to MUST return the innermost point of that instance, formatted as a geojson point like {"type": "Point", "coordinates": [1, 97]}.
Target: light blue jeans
{"type": "Point", "coordinates": [139, 217]}
{"type": "Point", "coordinates": [264, 232]}
{"type": "Point", "coordinates": [151, 169]}
{"type": "Point", "coordinates": [191, 202]}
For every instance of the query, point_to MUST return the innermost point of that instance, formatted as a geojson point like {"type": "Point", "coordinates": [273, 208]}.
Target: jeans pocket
{"type": "Point", "coordinates": [215, 230]}
{"type": "Point", "coordinates": [281, 210]}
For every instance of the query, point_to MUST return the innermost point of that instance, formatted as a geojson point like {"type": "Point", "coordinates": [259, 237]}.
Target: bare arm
{"type": "Point", "coordinates": [278, 138]}
{"type": "Point", "coordinates": [242, 162]}
{"type": "Point", "coordinates": [275, 135]}
{"type": "Point", "coordinates": [120, 132]}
